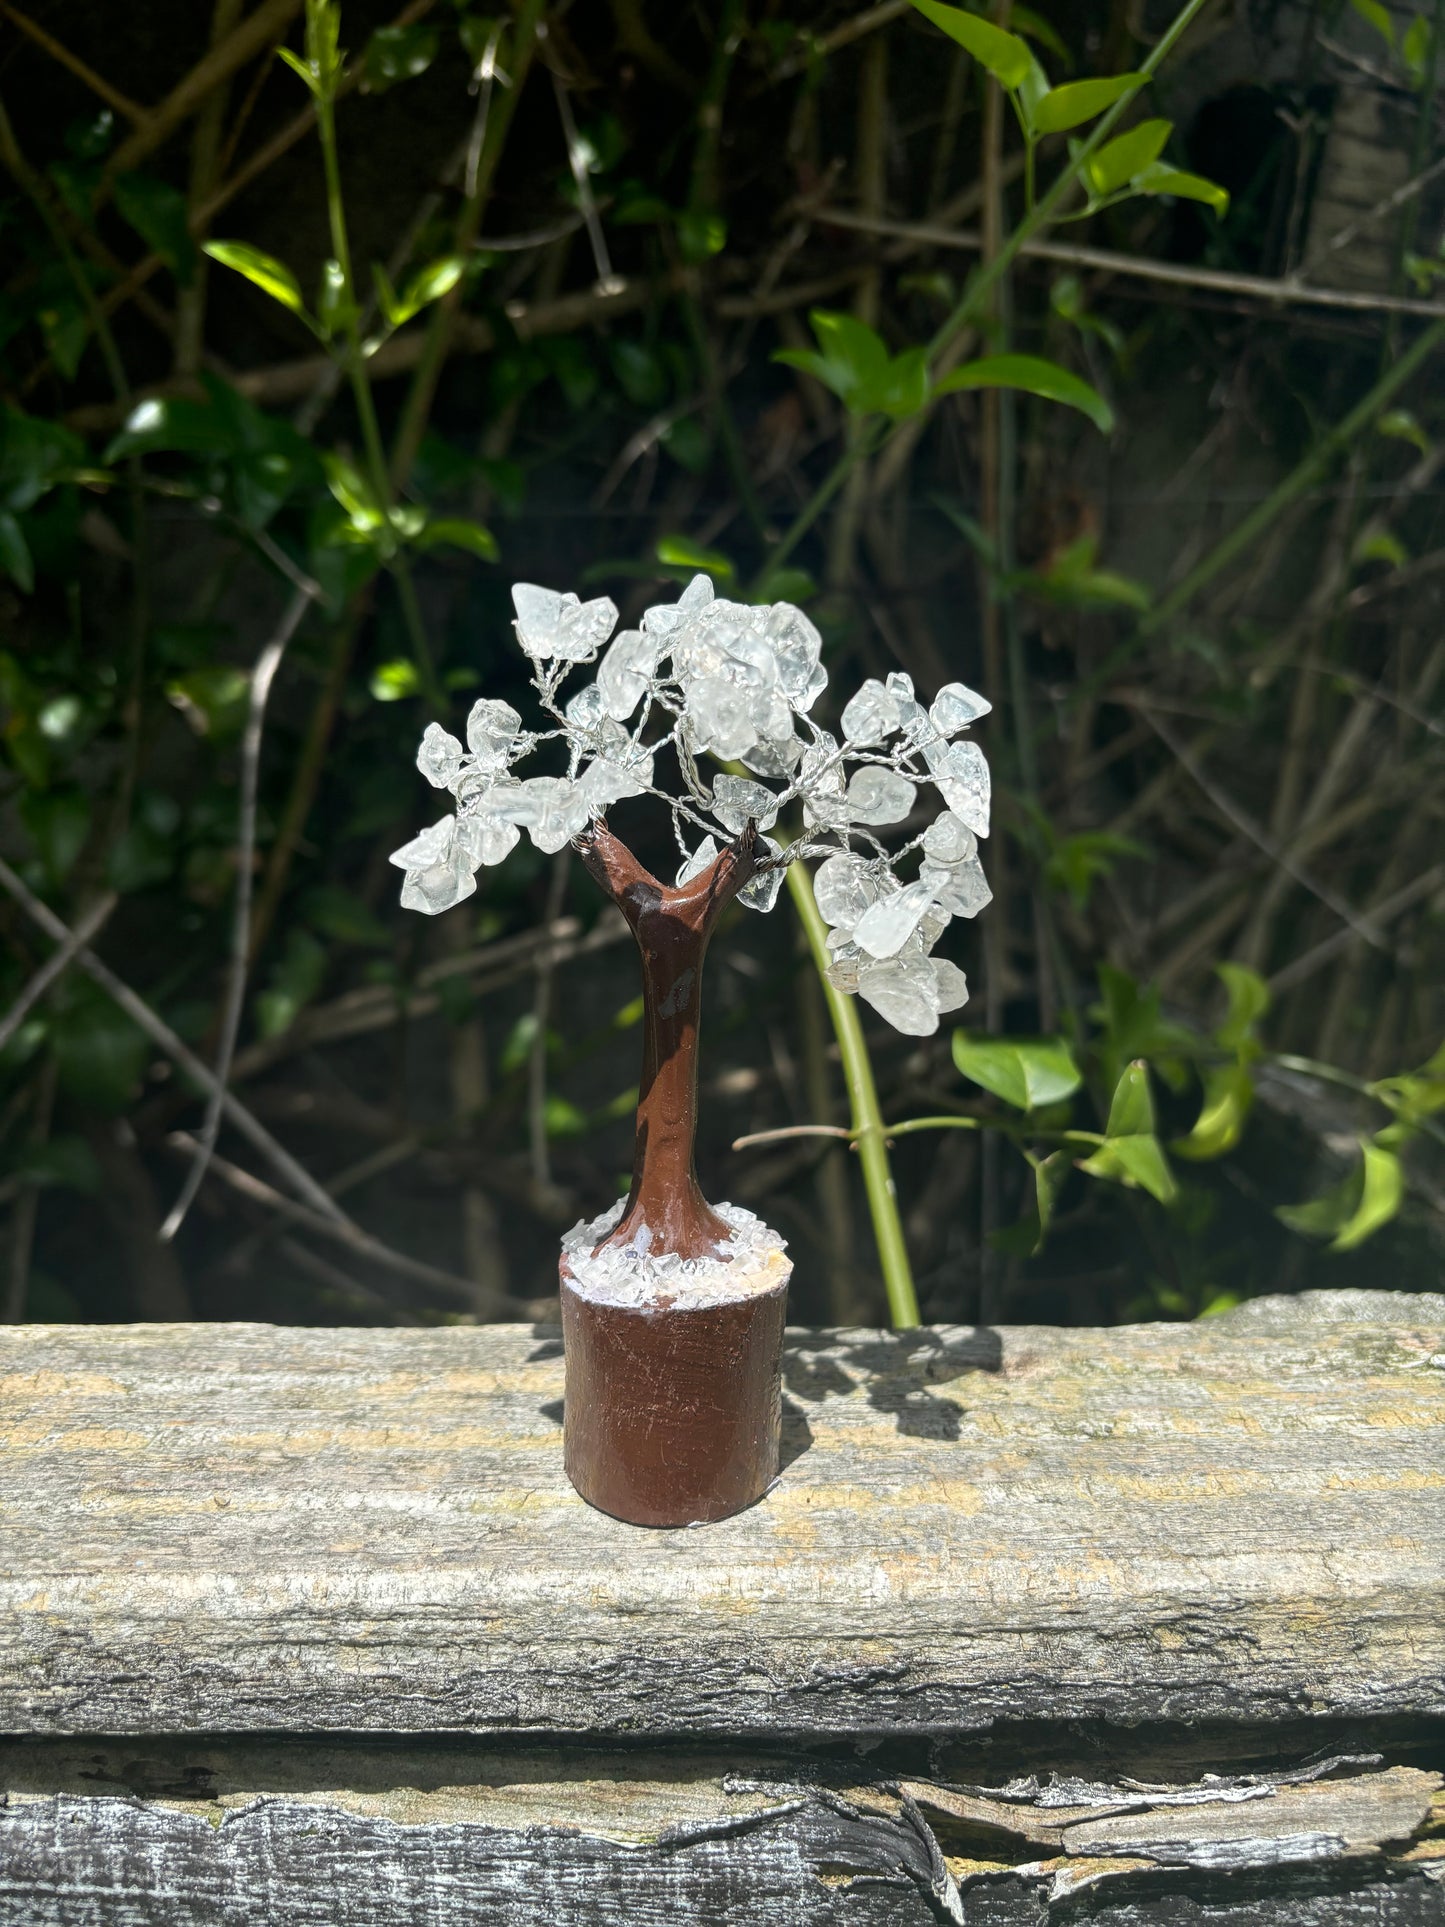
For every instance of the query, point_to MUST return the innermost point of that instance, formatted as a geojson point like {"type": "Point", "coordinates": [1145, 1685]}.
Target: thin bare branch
{"type": "Point", "coordinates": [161, 1034]}
{"type": "Point", "coordinates": [1284, 292]}
{"type": "Point", "coordinates": [55, 965]}
{"type": "Point", "coordinates": [262, 677]}
{"type": "Point", "coordinates": [61, 54]}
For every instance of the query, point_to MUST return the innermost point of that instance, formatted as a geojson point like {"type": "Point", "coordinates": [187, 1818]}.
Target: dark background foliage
{"type": "Point", "coordinates": [1213, 636]}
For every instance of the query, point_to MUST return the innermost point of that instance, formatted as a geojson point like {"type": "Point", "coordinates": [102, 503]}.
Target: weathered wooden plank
{"type": "Point", "coordinates": [231, 1528]}
{"type": "Point", "coordinates": [237, 1831]}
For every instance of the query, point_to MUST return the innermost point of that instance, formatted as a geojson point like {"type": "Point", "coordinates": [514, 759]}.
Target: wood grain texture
{"type": "Point", "coordinates": [121, 1835]}
{"type": "Point", "coordinates": [234, 1528]}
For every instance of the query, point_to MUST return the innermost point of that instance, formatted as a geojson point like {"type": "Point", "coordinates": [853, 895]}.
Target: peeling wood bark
{"type": "Point", "coordinates": [240, 1528]}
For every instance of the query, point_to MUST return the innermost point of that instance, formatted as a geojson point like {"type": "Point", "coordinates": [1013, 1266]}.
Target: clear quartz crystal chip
{"type": "Point", "coordinates": [949, 983]}
{"type": "Point", "coordinates": [551, 625]}
{"type": "Point", "coordinates": [439, 758]}
{"type": "Point", "coordinates": [724, 716]}
{"type": "Point", "coordinates": [797, 649]}
{"type": "Point", "coordinates": [487, 839]}
{"type": "Point", "coordinates": [879, 795]}
{"type": "Point", "coordinates": [949, 840]}
{"type": "Point", "coordinates": [736, 801]}
{"type": "Point", "coordinates": [492, 729]}
{"type": "Point", "coordinates": [431, 846]}
{"type": "Point", "coordinates": [626, 670]}
{"type": "Point", "coordinates": [551, 810]}
{"type": "Point", "coordinates": [955, 707]}
{"type": "Point", "coordinates": [960, 775]}
{"type": "Point", "coordinates": [870, 715]}
{"type": "Point", "coordinates": [960, 888]}
{"type": "Point", "coordinates": [903, 990]}
{"type": "Point", "coordinates": [760, 892]}
{"type": "Point", "coordinates": [626, 771]}
{"type": "Point", "coordinates": [824, 785]}
{"type": "Point", "coordinates": [846, 885]}
{"type": "Point", "coordinates": [884, 928]}
{"type": "Point", "coordinates": [705, 853]}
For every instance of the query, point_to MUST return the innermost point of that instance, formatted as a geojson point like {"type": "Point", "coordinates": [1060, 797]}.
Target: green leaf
{"type": "Point", "coordinates": [353, 492]}
{"type": "Point", "coordinates": [15, 556]}
{"type": "Point", "coordinates": [1248, 996]}
{"type": "Point", "coordinates": [454, 531]}
{"type": "Point", "coordinates": [341, 915]}
{"type": "Point", "coordinates": [66, 1162]}
{"type": "Point", "coordinates": [398, 53]}
{"type": "Point", "coordinates": [35, 455]}
{"type": "Point", "coordinates": [903, 389]}
{"type": "Point", "coordinates": [1077, 862]}
{"type": "Point", "coordinates": [1415, 47]}
{"type": "Point", "coordinates": [1228, 1094]}
{"type": "Point", "coordinates": [393, 682]}
{"type": "Point", "coordinates": [1034, 376]}
{"type": "Point", "coordinates": [99, 1052]}
{"type": "Point", "coordinates": [1402, 425]}
{"type": "Point", "coordinates": [159, 214]}
{"type": "Point", "coordinates": [299, 66]}
{"type": "Point", "coordinates": [1080, 100]}
{"type": "Point", "coordinates": [428, 284]}
{"type": "Point", "coordinates": [271, 276]}
{"type": "Point", "coordinates": [1381, 546]}
{"type": "Point", "coordinates": [1027, 1072]}
{"type": "Point", "coordinates": [1159, 178]}
{"type": "Point", "coordinates": [1119, 160]}
{"type": "Point", "coordinates": [1355, 1209]}
{"type": "Point", "coordinates": [852, 359]}
{"type": "Point", "coordinates": [295, 980]}
{"type": "Point", "coordinates": [169, 426]}
{"type": "Point", "coordinates": [58, 822]}
{"type": "Point", "coordinates": [639, 370]}
{"type": "Point", "coordinates": [1004, 55]}
{"type": "Point", "coordinates": [1378, 17]}
{"type": "Point", "coordinates": [676, 552]}
{"type": "Point", "coordinates": [1136, 1162]}
{"type": "Point", "coordinates": [562, 1118]}
{"type": "Point", "coordinates": [700, 235]}
{"type": "Point", "coordinates": [1131, 1110]}
{"type": "Point", "coordinates": [1050, 1176]}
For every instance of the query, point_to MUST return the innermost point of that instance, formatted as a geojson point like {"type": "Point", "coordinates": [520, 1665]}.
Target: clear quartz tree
{"type": "Point", "coordinates": [701, 684]}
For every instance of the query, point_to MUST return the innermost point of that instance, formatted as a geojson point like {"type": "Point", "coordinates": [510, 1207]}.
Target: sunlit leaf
{"type": "Point", "coordinates": [1027, 1072]}
{"type": "Point", "coordinates": [1136, 1162]}
{"type": "Point", "coordinates": [213, 698]}
{"type": "Point", "coordinates": [1381, 545]}
{"type": "Point", "coordinates": [428, 284]}
{"type": "Point", "coordinates": [1119, 160]}
{"type": "Point", "coordinates": [1131, 1109]}
{"type": "Point", "coordinates": [1378, 17]}
{"type": "Point", "coordinates": [353, 492]}
{"type": "Point", "coordinates": [273, 277]}
{"type": "Point", "coordinates": [1159, 178]}
{"type": "Point", "coordinates": [1402, 425]}
{"type": "Point", "coordinates": [392, 682]}
{"type": "Point", "coordinates": [1228, 1094]}
{"type": "Point", "coordinates": [676, 552]}
{"type": "Point", "coordinates": [1034, 376]}
{"type": "Point", "coordinates": [1080, 100]}
{"type": "Point", "coordinates": [1002, 54]}
{"type": "Point", "coordinates": [1415, 47]}
{"type": "Point", "coordinates": [1248, 996]}
{"type": "Point", "coordinates": [454, 531]}
{"type": "Point", "coordinates": [1352, 1211]}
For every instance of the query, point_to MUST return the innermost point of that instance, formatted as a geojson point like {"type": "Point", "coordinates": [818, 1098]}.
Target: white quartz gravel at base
{"type": "Point", "coordinates": [634, 1275]}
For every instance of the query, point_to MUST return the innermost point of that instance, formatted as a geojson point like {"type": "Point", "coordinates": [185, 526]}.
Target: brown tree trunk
{"type": "Point", "coordinates": [672, 927]}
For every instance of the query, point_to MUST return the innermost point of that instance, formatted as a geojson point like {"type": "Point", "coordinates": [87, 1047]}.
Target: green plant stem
{"type": "Point", "coordinates": [868, 1131]}
{"type": "Point", "coordinates": [365, 402]}
{"type": "Point", "coordinates": [974, 300]}
{"type": "Point", "coordinates": [1347, 1080]}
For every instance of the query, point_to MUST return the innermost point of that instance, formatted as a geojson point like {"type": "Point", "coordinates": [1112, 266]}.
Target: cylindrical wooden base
{"type": "Point", "coordinates": [673, 1413]}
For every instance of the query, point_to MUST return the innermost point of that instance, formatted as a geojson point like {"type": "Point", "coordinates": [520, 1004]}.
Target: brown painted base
{"type": "Point", "coordinates": [673, 1415]}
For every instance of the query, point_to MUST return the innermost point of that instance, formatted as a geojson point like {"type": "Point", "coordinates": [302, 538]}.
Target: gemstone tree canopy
{"type": "Point", "coordinates": [699, 684]}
